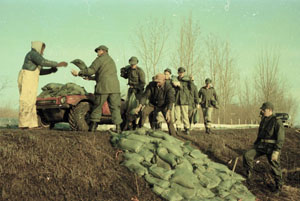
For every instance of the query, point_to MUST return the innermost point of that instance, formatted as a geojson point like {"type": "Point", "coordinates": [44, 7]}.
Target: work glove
{"type": "Point", "coordinates": [53, 70]}
{"type": "Point", "coordinates": [63, 63]}
{"type": "Point", "coordinates": [168, 116]}
{"type": "Point", "coordinates": [275, 156]}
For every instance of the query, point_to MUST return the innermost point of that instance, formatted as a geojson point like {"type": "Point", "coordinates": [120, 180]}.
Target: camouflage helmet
{"type": "Point", "coordinates": [267, 105]}
{"type": "Point", "coordinates": [208, 81]}
{"type": "Point", "coordinates": [101, 47]}
{"type": "Point", "coordinates": [133, 61]}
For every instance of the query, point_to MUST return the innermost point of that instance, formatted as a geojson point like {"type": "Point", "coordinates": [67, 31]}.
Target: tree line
{"type": "Point", "coordinates": [210, 56]}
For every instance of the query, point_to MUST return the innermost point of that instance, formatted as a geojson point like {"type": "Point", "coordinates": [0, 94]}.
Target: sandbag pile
{"type": "Point", "coordinates": [177, 171]}
{"type": "Point", "coordinates": [57, 89]}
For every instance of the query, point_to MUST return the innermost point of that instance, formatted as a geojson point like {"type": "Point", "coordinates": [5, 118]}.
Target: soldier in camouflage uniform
{"type": "Point", "coordinates": [107, 87]}
{"type": "Point", "coordinates": [269, 142]}
{"type": "Point", "coordinates": [135, 76]}
{"type": "Point", "coordinates": [208, 100]}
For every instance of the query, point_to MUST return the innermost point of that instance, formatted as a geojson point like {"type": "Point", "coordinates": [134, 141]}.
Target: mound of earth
{"type": "Point", "coordinates": [66, 165]}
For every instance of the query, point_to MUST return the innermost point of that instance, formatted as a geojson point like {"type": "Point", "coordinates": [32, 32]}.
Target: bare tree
{"type": "Point", "coordinates": [3, 85]}
{"type": "Point", "coordinates": [150, 41]}
{"type": "Point", "coordinates": [188, 51]}
{"type": "Point", "coordinates": [221, 68]}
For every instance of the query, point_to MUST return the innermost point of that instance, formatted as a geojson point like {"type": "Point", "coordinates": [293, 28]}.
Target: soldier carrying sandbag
{"type": "Point", "coordinates": [107, 87]}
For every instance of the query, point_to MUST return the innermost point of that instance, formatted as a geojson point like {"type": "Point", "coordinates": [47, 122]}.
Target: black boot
{"type": "Point", "coordinates": [118, 128]}
{"type": "Point", "coordinates": [93, 126]}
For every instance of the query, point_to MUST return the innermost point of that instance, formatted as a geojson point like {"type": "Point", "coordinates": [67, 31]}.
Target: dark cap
{"type": "Point", "coordinates": [168, 70]}
{"type": "Point", "coordinates": [101, 47]}
{"type": "Point", "coordinates": [267, 105]}
{"type": "Point", "coordinates": [133, 60]}
{"type": "Point", "coordinates": [181, 70]}
{"type": "Point", "coordinates": [207, 80]}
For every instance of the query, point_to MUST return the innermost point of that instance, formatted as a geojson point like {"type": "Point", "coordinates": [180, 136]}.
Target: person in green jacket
{"type": "Point", "coordinates": [208, 100]}
{"type": "Point", "coordinates": [107, 87]}
{"type": "Point", "coordinates": [135, 76]}
{"type": "Point", "coordinates": [182, 97]}
{"type": "Point", "coordinates": [28, 81]}
{"type": "Point", "coordinates": [269, 142]}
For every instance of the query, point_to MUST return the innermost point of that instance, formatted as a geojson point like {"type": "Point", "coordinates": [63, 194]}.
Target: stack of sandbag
{"type": "Point", "coordinates": [177, 171]}
{"type": "Point", "coordinates": [57, 89]}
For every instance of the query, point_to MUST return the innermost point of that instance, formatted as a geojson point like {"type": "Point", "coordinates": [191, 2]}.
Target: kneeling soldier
{"type": "Point", "coordinates": [269, 142]}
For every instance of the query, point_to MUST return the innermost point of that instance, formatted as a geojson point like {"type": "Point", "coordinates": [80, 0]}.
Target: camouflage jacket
{"type": "Point", "coordinates": [106, 77]}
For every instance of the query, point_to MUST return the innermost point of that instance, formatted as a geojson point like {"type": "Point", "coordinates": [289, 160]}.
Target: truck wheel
{"type": "Point", "coordinates": [79, 115]}
{"type": "Point", "coordinates": [42, 123]}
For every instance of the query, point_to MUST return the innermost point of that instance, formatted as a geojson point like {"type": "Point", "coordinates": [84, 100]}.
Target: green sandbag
{"type": "Point", "coordinates": [130, 145]}
{"type": "Point", "coordinates": [52, 86]}
{"type": "Point", "coordinates": [194, 161]}
{"type": "Point", "coordinates": [197, 154]}
{"type": "Point", "coordinates": [222, 193]}
{"type": "Point", "coordinates": [136, 167]}
{"type": "Point", "coordinates": [133, 156]}
{"type": "Point", "coordinates": [141, 138]}
{"type": "Point", "coordinates": [131, 102]}
{"type": "Point", "coordinates": [171, 195]}
{"type": "Point", "coordinates": [220, 168]}
{"type": "Point", "coordinates": [183, 163]}
{"type": "Point", "coordinates": [160, 173]}
{"type": "Point", "coordinates": [172, 148]}
{"type": "Point", "coordinates": [170, 158]}
{"type": "Point", "coordinates": [231, 198]}
{"type": "Point", "coordinates": [157, 134]}
{"type": "Point", "coordinates": [158, 182]}
{"type": "Point", "coordinates": [150, 146]}
{"type": "Point", "coordinates": [184, 178]}
{"type": "Point", "coordinates": [79, 63]}
{"type": "Point", "coordinates": [173, 140]}
{"type": "Point", "coordinates": [236, 176]}
{"type": "Point", "coordinates": [158, 190]}
{"type": "Point", "coordinates": [186, 193]}
{"type": "Point", "coordinates": [146, 154]}
{"type": "Point", "coordinates": [226, 185]}
{"type": "Point", "coordinates": [199, 169]}
{"type": "Point", "coordinates": [204, 192]}
{"type": "Point", "coordinates": [141, 131]}
{"type": "Point", "coordinates": [161, 163]}
{"type": "Point", "coordinates": [214, 180]}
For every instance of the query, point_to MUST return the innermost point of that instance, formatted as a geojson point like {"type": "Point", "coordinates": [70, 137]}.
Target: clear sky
{"type": "Point", "coordinates": [73, 28]}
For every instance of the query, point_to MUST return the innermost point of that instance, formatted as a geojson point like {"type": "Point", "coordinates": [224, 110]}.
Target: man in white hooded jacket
{"type": "Point", "coordinates": [28, 81]}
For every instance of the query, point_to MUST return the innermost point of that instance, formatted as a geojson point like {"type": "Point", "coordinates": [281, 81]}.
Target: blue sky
{"type": "Point", "coordinates": [73, 28]}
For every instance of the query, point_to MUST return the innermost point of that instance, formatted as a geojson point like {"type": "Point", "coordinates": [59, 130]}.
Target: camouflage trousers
{"type": "Point", "coordinates": [207, 114]}
{"type": "Point", "coordinates": [114, 103]}
{"type": "Point", "coordinates": [252, 154]}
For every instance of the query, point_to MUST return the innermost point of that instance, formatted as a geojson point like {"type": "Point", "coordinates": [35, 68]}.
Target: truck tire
{"type": "Point", "coordinates": [79, 115]}
{"type": "Point", "coordinates": [43, 123]}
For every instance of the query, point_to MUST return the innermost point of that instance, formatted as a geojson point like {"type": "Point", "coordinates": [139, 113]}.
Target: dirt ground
{"type": "Point", "coordinates": [66, 165]}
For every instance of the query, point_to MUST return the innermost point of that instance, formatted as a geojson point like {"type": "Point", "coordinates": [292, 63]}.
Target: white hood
{"type": "Point", "coordinates": [37, 45]}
